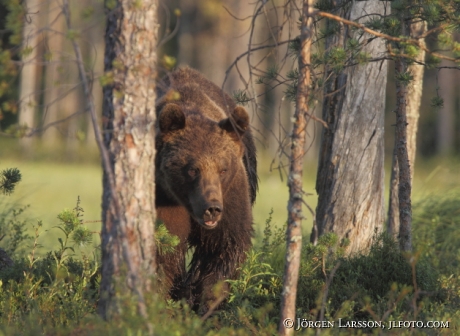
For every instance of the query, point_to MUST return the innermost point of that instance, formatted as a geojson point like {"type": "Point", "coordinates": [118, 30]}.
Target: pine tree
{"type": "Point", "coordinates": [127, 239]}
{"type": "Point", "coordinates": [350, 179]}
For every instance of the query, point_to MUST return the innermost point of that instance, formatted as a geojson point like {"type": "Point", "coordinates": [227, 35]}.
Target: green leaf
{"type": "Point", "coordinates": [72, 34]}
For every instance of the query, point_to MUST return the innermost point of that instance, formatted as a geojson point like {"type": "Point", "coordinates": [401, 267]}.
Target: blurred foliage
{"type": "Point", "coordinates": [165, 242]}
{"type": "Point", "coordinates": [436, 220]}
{"type": "Point", "coordinates": [11, 18]}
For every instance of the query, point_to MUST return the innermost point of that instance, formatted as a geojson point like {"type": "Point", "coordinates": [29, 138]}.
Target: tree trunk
{"type": "Point", "coordinates": [446, 115]}
{"type": "Point", "coordinates": [350, 181]}
{"type": "Point", "coordinates": [95, 54]}
{"type": "Point", "coordinates": [52, 92]}
{"type": "Point", "coordinates": [393, 206]}
{"type": "Point", "coordinates": [294, 229]}
{"type": "Point", "coordinates": [401, 149]}
{"type": "Point", "coordinates": [414, 100]}
{"type": "Point", "coordinates": [128, 251]}
{"type": "Point", "coordinates": [28, 83]}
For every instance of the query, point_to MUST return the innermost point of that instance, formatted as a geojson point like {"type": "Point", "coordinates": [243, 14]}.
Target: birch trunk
{"type": "Point", "coordinates": [128, 251]}
{"type": "Point", "coordinates": [350, 181]}
{"type": "Point", "coordinates": [294, 229]}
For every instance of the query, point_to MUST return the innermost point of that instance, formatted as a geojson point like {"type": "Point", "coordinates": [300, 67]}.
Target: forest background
{"type": "Point", "coordinates": [208, 35]}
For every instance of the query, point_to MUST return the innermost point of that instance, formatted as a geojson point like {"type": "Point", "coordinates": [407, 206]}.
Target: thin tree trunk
{"type": "Point", "coordinates": [73, 101]}
{"type": "Point", "coordinates": [393, 207]}
{"type": "Point", "coordinates": [405, 186]}
{"type": "Point", "coordinates": [96, 54]}
{"type": "Point", "coordinates": [294, 229]}
{"type": "Point", "coordinates": [28, 83]}
{"type": "Point", "coordinates": [402, 155]}
{"type": "Point", "coordinates": [446, 115]}
{"type": "Point", "coordinates": [350, 181]}
{"type": "Point", "coordinates": [128, 251]}
{"type": "Point", "coordinates": [414, 100]}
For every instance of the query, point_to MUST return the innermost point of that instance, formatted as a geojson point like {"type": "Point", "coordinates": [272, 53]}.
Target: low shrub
{"type": "Point", "coordinates": [56, 292]}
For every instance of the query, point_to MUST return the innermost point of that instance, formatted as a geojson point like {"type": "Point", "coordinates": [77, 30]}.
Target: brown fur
{"type": "Point", "coordinates": [206, 177]}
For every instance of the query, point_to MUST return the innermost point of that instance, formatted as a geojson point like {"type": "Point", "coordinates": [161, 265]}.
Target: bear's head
{"type": "Point", "coordinates": [198, 159]}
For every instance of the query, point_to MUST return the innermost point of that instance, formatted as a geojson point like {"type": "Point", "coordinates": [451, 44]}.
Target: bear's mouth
{"type": "Point", "coordinates": [210, 216]}
{"type": "Point", "coordinates": [206, 224]}
{"type": "Point", "coordinates": [210, 224]}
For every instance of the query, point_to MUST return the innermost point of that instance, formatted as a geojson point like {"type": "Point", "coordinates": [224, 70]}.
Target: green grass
{"type": "Point", "coordinates": [435, 176]}
{"type": "Point", "coordinates": [273, 194]}
{"type": "Point", "coordinates": [50, 186]}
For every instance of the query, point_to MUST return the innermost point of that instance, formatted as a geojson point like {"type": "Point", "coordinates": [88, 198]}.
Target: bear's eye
{"type": "Point", "coordinates": [192, 172]}
{"type": "Point", "coordinates": [223, 171]}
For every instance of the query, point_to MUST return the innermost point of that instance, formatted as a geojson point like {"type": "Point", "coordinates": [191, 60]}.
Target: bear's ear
{"type": "Point", "coordinates": [171, 118]}
{"type": "Point", "coordinates": [238, 122]}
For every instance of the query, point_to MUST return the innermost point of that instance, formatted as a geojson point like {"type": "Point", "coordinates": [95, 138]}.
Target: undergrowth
{"type": "Point", "coordinates": [56, 292]}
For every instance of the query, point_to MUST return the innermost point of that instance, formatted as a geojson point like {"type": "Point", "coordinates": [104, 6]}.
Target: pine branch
{"type": "Point", "coordinates": [8, 180]}
{"type": "Point", "coordinates": [387, 37]}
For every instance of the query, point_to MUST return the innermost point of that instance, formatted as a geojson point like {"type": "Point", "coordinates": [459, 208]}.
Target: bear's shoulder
{"type": "Point", "coordinates": [194, 89]}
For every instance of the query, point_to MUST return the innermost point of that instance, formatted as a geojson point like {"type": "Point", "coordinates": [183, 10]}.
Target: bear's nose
{"type": "Point", "coordinates": [213, 211]}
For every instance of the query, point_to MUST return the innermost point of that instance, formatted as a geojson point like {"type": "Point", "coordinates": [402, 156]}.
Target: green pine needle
{"type": "Point", "coordinates": [8, 180]}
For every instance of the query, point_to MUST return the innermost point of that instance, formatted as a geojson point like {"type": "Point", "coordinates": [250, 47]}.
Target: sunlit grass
{"type": "Point", "coordinates": [273, 194]}
{"type": "Point", "coordinates": [436, 176]}
{"type": "Point", "coordinates": [50, 187]}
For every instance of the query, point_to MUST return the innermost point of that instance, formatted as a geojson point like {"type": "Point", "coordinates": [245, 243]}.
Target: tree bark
{"type": "Point", "coordinates": [401, 149]}
{"type": "Point", "coordinates": [350, 180]}
{"type": "Point", "coordinates": [414, 100]}
{"type": "Point", "coordinates": [128, 249]}
{"type": "Point", "coordinates": [295, 216]}
{"type": "Point", "coordinates": [28, 82]}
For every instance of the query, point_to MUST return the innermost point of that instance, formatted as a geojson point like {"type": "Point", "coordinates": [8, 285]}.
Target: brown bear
{"type": "Point", "coordinates": [206, 183]}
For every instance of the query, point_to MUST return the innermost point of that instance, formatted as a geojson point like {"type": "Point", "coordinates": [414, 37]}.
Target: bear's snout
{"type": "Point", "coordinates": [212, 215]}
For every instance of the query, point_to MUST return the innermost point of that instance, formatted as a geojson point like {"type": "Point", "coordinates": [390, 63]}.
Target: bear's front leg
{"type": "Point", "coordinates": [215, 261]}
{"type": "Point", "coordinates": [207, 285]}
{"type": "Point", "coordinates": [173, 272]}
{"type": "Point", "coordinates": [172, 265]}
